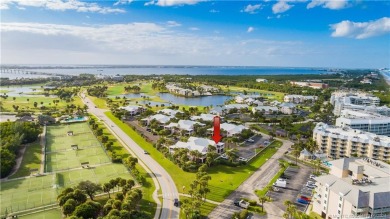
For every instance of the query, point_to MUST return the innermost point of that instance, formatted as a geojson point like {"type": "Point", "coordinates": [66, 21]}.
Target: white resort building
{"type": "Point", "coordinates": [354, 101]}
{"type": "Point", "coordinates": [369, 122]}
{"type": "Point", "coordinates": [299, 98]}
{"type": "Point", "coordinates": [355, 188]}
{"type": "Point", "coordinates": [339, 142]}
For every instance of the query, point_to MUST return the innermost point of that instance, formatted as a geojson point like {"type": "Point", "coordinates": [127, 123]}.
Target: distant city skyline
{"type": "Point", "coordinates": [318, 33]}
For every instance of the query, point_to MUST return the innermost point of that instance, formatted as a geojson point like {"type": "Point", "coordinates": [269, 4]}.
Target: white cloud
{"type": "Point", "coordinates": [281, 6]}
{"type": "Point", "coordinates": [361, 30]}
{"type": "Point", "coordinates": [194, 28]}
{"type": "Point", "coordinates": [330, 4]}
{"type": "Point", "coordinates": [61, 5]}
{"type": "Point", "coordinates": [250, 29]}
{"type": "Point", "coordinates": [214, 11]}
{"type": "Point", "coordinates": [173, 24]}
{"type": "Point", "coordinates": [252, 9]}
{"type": "Point", "coordinates": [167, 3]}
{"type": "Point", "coordinates": [123, 2]}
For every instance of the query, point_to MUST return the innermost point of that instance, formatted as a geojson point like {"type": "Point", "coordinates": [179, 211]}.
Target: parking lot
{"type": "Point", "coordinates": [247, 150]}
{"type": "Point", "coordinates": [296, 181]}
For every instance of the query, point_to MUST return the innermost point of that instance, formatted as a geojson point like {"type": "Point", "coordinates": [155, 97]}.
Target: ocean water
{"type": "Point", "coordinates": [24, 71]}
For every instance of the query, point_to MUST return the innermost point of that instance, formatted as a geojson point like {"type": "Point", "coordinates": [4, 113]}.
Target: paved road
{"type": "Point", "coordinates": [258, 180]}
{"type": "Point", "coordinates": [158, 173]}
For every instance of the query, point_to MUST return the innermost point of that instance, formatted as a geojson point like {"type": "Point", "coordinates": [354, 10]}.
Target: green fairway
{"type": "Point", "coordinates": [38, 191]}
{"type": "Point", "coordinates": [224, 179]}
{"type": "Point", "coordinates": [59, 152]}
{"type": "Point", "coordinates": [31, 160]}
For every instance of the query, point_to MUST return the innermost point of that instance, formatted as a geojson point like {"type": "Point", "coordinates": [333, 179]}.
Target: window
{"type": "Point", "coordinates": [339, 205]}
{"type": "Point", "coordinates": [338, 212]}
{"type": "Point", "coordinates": [341, 198]}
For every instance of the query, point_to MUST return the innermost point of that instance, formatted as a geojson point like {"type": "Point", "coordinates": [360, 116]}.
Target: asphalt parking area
{"type": "Point", "coordinates": [296, 180]}
{"type": "Point", "coordinates": [247, 150]}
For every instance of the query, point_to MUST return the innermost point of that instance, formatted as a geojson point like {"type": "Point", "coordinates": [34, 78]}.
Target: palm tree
{"type": "Point", "coordinates": [296, 152]}
{"type": "Point", "coordinates": [262, 199]}
{"type": "Point", "coordinates": [232, 155]}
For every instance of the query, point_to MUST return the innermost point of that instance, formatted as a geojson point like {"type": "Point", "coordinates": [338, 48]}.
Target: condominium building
{"type": "Point", "coordinates": [355, 188]}
{"type": "Point", "coordinates": [299, 98]}
{"type": "Point", "coordinates": [365, 121]}
{"type": "Point", "coordinates": [350, 100]}
{"type": "Point", "coordinates": [338, 142]}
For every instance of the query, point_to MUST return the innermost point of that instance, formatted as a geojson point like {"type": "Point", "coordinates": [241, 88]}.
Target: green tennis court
{"type": "Point", "coordinates": [39, 191]}
{"type": "Point", "coordinates": [66, 151]}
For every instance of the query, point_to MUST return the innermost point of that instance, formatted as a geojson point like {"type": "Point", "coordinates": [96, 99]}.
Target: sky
{"type": "Point", "coordinates": [295, 33]}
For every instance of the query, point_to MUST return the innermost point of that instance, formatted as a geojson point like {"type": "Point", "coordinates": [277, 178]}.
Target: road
{"type": "Point", "coordinates": [258, 180]}
{"type": "Point", "coordinates": [159, 175]}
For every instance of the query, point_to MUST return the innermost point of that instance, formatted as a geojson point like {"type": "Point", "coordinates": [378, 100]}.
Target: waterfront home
{"type": "Point", "coordinates": [204, 117]}
{"type": "Point", "coordinates": [230, 129]}
{"type": "Point", "coordinates": [261, 80]}
{"type": "Point", "coordinates": [169, 112]}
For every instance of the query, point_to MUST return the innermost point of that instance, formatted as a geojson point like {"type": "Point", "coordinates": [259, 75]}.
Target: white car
{"type": "Point", "coordinates": [242, 159]}
{"type": "Point", "coordinates": [250, 140]}
{"type": "Point", "coordinates": [224, 156]}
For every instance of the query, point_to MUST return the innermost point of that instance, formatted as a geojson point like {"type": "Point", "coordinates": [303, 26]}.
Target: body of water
{"type": "Point", "coordinates": [158, 70]}
{"type": "Point", "coordinates": [195, 101]}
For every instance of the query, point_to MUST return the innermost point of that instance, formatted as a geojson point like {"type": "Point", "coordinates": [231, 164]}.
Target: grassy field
{"type": "Point", "coordinates": [224, 179]}
{"type": "Point", "coordinates": [27, 103]}
{"type": "Point", "coordinates": [48, 214]}
{"type": "Point", "coordinates": [31, 160]}
{"type": "Point", "coordinates": [38, 191]}
{"type": "Point", "coordinates": [60, 155]}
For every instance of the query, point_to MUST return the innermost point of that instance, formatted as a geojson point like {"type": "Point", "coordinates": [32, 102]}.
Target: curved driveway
{"type": "Point", "coordinates": [157, 172]}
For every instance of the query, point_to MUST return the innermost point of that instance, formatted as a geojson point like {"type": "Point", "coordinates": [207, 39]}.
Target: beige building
{"type": "Point", "coordinates": [339, 142]}
{"type": "Point", "coordinates": [355, 188]}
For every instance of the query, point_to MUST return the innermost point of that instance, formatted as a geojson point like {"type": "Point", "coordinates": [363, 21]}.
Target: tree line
{"type": "Point", "coordinates": [12, 135]}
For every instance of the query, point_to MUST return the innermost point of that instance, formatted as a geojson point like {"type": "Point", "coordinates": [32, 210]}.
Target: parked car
{"type": "Point", "coordinates": [242, 159]}
{"type": "Point", "coordinates": [312, 176]}
{"type": "Point", "coordinates": [311, 186]}
{"type": "Point", "coordinates": [176, 202]}
{"type": "Point", "coordinates": [241, 203]}
{"type": "Point", "coordinates": [145, 152]}
{"type": "Point", "coordinates": [302, 201]}
{"type": "Point", "coordinates": [305, 198]}
{"type": "Point", "coordinates": [250, 140]}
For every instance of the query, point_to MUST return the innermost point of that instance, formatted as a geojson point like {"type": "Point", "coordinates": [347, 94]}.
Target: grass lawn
{"type": "Point", "coordinates": [224, 179]}
{"type": "Point", "coordinates": [27, 103]}
{"type": "Point", "coordinates": [49, 214]}
{"type": "Point", "coordinates": [31, 160]}
{"type": "Point", "coordinates": [99, 102]}
{"type": "Point", "coordinates": [205, 209]}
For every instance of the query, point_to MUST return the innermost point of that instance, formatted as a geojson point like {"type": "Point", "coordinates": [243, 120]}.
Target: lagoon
{"type": "Point", "coordinates": [195, 101]}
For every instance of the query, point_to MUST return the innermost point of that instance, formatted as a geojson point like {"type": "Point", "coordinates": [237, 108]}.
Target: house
{"type": "Point", "coordinates": [265, 109]}
{"type": "Point", "coordinates": [169, 112]}
{"type": "Point", "coordinates": [186, 125]}
{"type": "Point", "coordinates": [133, 109]}
{"type": "Point", "coordinates": [218, 110]}
{"type": "Point", "coordinates": [232, 129]}
{"type": "Point", "coordinates": [160, 118]}
{"type": "Point", "coordinates": [288, 108]}
{"type": "Point", "coordinates": [199, 144]}
{"type": "Point", "coordinates": [26, 119]}
{"type": "Point", "coordinates": [204, 117]}
{"type": "Point", "coordinates": [236, 106]}
{"type": "Point", "coordinates": [117, 78]}
{"type": "Point", "coordinates": [275, 103]}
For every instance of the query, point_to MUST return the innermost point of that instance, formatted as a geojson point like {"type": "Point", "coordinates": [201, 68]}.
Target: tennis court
{"type": "Point", "coordinates": [39, 191]}
{"type": "Point", "coordinates": [67, 146]}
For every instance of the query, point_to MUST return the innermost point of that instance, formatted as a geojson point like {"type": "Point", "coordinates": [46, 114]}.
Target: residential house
{"type": "Point", "coordinates": [160, 118]}
{"type": "Point", "coordinates": [186, 125]}
{"type": "Point", "coordinates": [133, 109]}
{"type": "Point", "coordinates": [288, 108]}
{"type": "Point", "coordinates": [265, 109]}
{"type": "Point", "coordinates": [204, 117]}
{"type": "Point", "coordinates": [199, 144]}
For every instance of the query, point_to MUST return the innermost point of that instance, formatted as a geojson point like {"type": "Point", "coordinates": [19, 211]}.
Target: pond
{"type": "Point", "coordinates": [195, 101]}
{"type": "Point", "coordinates": [23, 91]}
